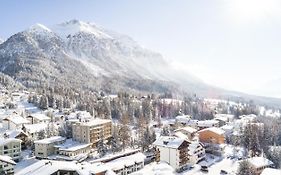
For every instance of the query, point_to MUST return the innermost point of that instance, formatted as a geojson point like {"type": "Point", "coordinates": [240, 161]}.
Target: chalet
{"type": "Point", "coordinates": [188, 131]}
{"type": "Point", "coordinates": [212, 135]}
{"type": "Point", "coordinates": [38, 118]}
{"type": "Point", "coordinates": [18, 134]}
{"type": "Point", "coordinates": [259, 164]}
{"type": "Point", "coordinates": [14, 122]}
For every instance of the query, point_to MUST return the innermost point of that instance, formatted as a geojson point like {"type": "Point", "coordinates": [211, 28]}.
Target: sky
{"type": "Point", "coordinates": [234, 44]}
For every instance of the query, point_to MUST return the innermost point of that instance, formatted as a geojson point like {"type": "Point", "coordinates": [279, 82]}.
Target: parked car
{"type": "Point", "coordinates": [204, 169]}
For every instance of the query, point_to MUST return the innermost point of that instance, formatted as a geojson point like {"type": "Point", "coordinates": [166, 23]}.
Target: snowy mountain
{"type": "Point", "coordinates": [36, 57]}
{"type": "Point", "coordinates": [82, 54]}
{"type": "Point", "coordinates": [1, 40]}
{"type": "Point", "coordinates": [109, 53]}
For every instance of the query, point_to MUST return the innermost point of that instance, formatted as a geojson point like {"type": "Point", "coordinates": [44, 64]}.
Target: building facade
{"type": "Point", "coordinates": [173, 150]}
{"type": "Point", "coordinates": [45, 147]}
{"type": "Point", "coordinates": [92, 132]}
{"type": "Point", "coordinates": [11, 147]}
{"type": "Point", "coordinates": [212, 135]}
{"type": "Point", "coordinates": [6, 165]}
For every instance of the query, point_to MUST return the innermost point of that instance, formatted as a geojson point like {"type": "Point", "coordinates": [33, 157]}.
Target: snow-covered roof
{"type": "Point", "coordinates": [183, 118]}
{"type": "Point", "coordinates": [187, 129]}
{"type": "Point", "coordinates": [259, 162]}
{"type": "Point", "coordinates": [47, 167]}
{"type": "Point", "coordinates": [224, 116]}
{"type": "Point", "coordinates": [18, 120]}
{"type": "Point", "coordinates": [249, 117]}
{"type": "Point", "coordinates": [80, 114]}
{"type": "Point", "coordinates": [35, 128]}
{"type": "Point", "coordinates": [96, 121]}
{"type": "Point", "coordinates": [4, 141]}
{"type": "Point", "coordinates": [216, 130]}
{"type": "Point", "coordinates": [126, 161]}
{"type": "Point", "coordinates": [181, 135]}
{"type": "Point", "coordinates": [70, 145]}
{"type": "Point", "coordinates": [40, 117]}
{"type": "Point", "coordinates": [50, 140]}
{"type": "Point", "coordinates": [271, 171]}
{"type": "Point", "coordinates": [207, 123]}
{"type": "Point", "coordinates": [7, 159]}
{"type": "Point", "coordinates": [169, 142]}
{"type": "Point", "coordinates": [227, 127]}
{"type": "Point", "coordinates": [160, 168]}
{"type": "Point", "coordinates": [14, 133]}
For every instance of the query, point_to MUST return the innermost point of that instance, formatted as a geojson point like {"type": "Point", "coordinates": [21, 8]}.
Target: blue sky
{"type": "Point", "coordinates": [234, 44]}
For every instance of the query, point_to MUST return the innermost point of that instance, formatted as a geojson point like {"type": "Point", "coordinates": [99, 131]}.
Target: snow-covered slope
{"type": "Point", "coordinates": [1, 40]}
{"type": "Point", "coordinates": [108, 53]}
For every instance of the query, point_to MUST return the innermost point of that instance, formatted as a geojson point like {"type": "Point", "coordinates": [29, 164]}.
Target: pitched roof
{"type": "Point", "coordinates": [4, 141]}
{"type": "Point", "coordinates": [50, 140]}
{"type": "Point", "coordinates": [15, 133]}
{"type": "Point", "coordinates": [169, 142]}
{"type": "Point", "coordinates": [17, 120]}
{"type": "Point", "coordinates": [216, 130]}
{"type": "Point", "coordinates": [34, 128]}
{"type": "Point", "coordinates": [7, 159]}
{"type": "Point", "coordinates": [187, 129]}
{"type": "Point", "coordinates": [71, 145]}
{"type": "Point", "coordinates": [259, 162]}
{"type": "Point", "coordinates": [41, 117]}
{"type": "Point", "coordinates": [46, 167]}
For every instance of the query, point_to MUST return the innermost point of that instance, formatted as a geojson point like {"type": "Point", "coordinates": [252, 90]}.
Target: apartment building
{"type": "Point", "coordinates": [196, 151]}
{"type": "Point", "coordinates": [45, 147]}
{"type": "Point", "coordinates": [6, 165]}
{"type": "Point", "coordinates": [92, 131]}
{"type": "Point", "coordinates": [11, 147]}
{"type": "Point", "coordinates": [173, 150]}
{"type": "Point", "coordinates": [73, 150]}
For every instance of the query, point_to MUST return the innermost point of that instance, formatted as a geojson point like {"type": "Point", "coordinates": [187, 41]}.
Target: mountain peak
{"type": "Point", "coordinates": [39, 28]}
{"type": "Point", "coordinates": [75, 26]}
